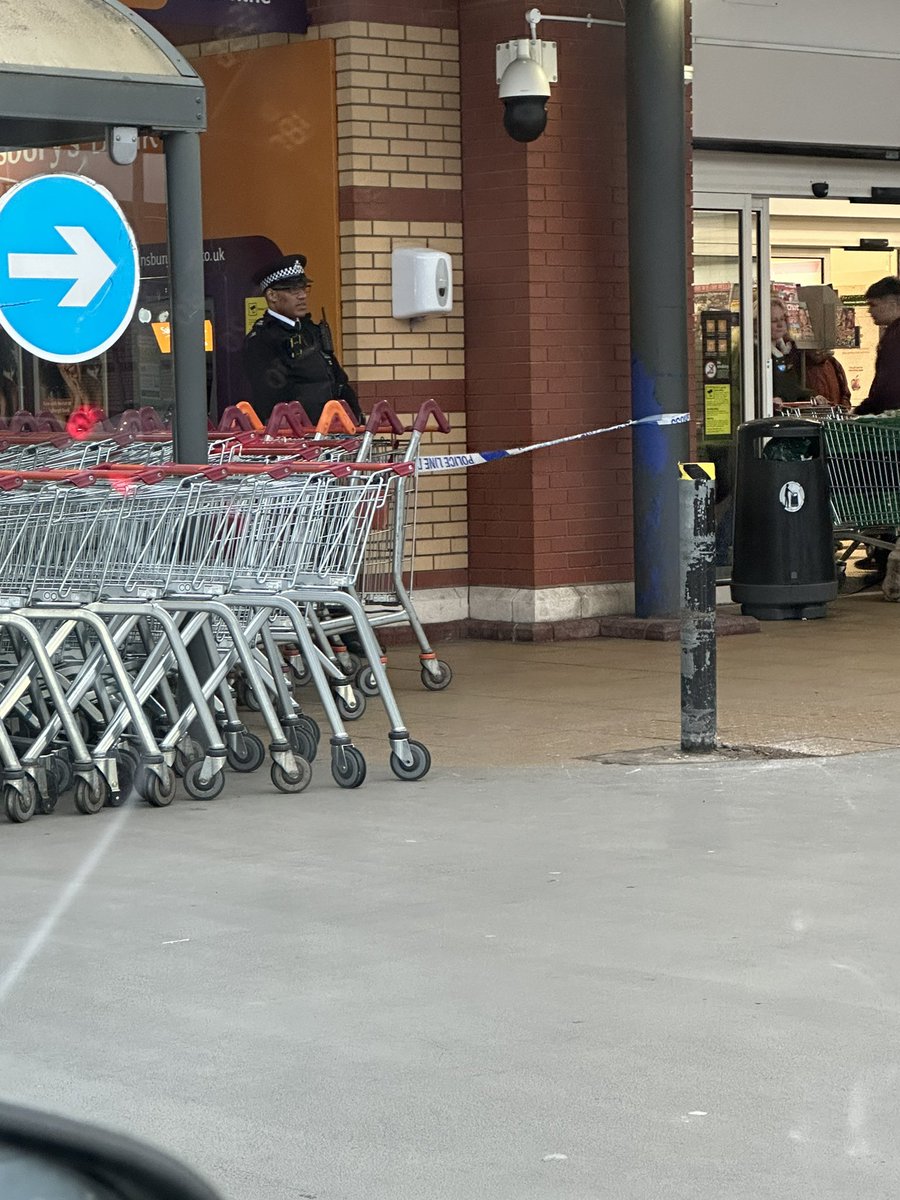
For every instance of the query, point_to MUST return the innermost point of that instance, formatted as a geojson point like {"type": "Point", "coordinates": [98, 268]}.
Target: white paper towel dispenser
{"type": "Point", "coordinates": [421, 282]}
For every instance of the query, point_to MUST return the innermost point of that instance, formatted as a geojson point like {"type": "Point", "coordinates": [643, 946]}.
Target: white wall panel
{"type": "Point", "coordinates": [797, 71]}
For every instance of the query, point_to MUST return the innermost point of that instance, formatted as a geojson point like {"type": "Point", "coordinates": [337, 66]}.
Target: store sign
{"type": "Point", "coordinates": [69, 273]}
{"type": "Point", "coordinates": [225, 18]}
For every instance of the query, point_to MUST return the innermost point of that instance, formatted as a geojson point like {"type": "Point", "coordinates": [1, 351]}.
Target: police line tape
{"type": "Point", "coordinates": [429, 463]}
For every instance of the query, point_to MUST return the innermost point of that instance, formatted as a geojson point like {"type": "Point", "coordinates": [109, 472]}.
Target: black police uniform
{"type": "Point", "coordinates": [286, 360]}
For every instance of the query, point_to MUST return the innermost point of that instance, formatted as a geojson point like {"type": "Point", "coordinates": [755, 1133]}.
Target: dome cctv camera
{"type": "Point", "coordinates": [819, 190]}
{"type": "Point", "coordinates": [525, 70]}
{"type": "Point", "coordinates": [524, 90]}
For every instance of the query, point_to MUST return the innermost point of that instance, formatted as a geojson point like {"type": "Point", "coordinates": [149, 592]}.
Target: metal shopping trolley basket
{"type": "Point", "coordinates": [385, 578]}
{"type": "Point", "coordinates": [863, 457]}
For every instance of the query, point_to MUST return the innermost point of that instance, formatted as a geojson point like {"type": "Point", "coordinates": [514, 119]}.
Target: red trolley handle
{"type": "Point", "coordinates": [76, 478]}
{"type": "Point", "coordinates": [383, 418]}
{"type": "Point", "coordinates": [291, 416]}
{"type": "Point", "coordinates": [431, 409]}
{"type": "Point", "coordinates": [234, 420]}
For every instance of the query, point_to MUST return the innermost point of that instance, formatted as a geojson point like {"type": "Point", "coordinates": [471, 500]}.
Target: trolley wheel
{"type": "Point", "coordinates": [349, 664]}
{"type": "Point", "coordinates": [20, 806]}
{"type": "Point", "coordinates": [348, 767]}
{"type": "Point", "coordinates": [437, 683]}
{"type": "Point", "coordinates": [160, 792]}
{"type": "Point", "coordinates": [47, 801]}
{"type": "Point", "coordinates": [348, 711]}
{"type": "Point", "coordinates": [187, 752]}
{"type": "Point", "coordinates": [91, 794]}
{"type": "Point", "coordinates": [249, 757]}
{"type": "Point", "coordinates": [46, 804]}
{"type": "Point", "coordinates": [421, 763]}
{"type": "Point", "coordinates": [202, 791]}
{"type": "Point", "coordinates": [86, 727]}
{"type": "Point", "coordinates": [302, 742]}
{"type": "Point", "coordinates": [307, 723]}
{"type": "Point", "coordinates": [128, 764]}
{"type": "Point", "coordinates": [365, 680]}
{"type": "Point", "coordinates": [244, 696]}
{"type": "Point", "coordinates": [65, 776]}
{"type": "Point", "coordinates": [299, 670]}
{"type": "Point", "coordinates": [298, 781]}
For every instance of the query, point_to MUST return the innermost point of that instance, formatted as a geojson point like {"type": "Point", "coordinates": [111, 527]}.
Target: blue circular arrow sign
{"type": "Point", "coordinates": [69, 269]}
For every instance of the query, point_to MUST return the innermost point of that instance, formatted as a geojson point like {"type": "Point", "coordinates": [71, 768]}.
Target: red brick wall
{"type": "Point", "coordinates": [547, 349]}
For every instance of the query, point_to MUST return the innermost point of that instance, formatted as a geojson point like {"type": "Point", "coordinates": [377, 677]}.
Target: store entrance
{"type": "Point", "coordinates": [730, 377]}
{"type": "Point", "coordinates": [841, 248]}
{"type": "Point", "coordinates": [812, 260]}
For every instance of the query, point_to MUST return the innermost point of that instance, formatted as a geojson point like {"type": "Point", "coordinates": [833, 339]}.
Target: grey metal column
{"type": "Point", "coordinates": [187, 300]}
{"type": "Point", "coordinates": [655, 39]}
{"type": "Point", "coordinates": [697, 504]}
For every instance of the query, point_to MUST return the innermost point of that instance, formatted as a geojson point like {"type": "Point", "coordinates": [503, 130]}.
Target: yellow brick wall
{"type": "Point", "coordinates": [399, 127]}
{"type": "Point", "coordinates": [375, 344]}
{"type": "Point", "coordinates": [442, 524]}
{"type": "Point", "coordinates": [378, 347]}
{"type": "Point", "coordinates": [398, 105]}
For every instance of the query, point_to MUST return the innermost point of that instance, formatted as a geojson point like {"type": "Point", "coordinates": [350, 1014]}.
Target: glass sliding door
{"type": "Point", "coordinates": [731, 373]}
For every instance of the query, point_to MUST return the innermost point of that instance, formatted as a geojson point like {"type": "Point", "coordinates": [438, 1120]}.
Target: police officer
{"type": "Point", "coordinates": [287, 356]}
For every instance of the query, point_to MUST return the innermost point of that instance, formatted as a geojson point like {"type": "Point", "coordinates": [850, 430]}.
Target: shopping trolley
{"type": "Point", "coordinates": [385, 579]}
{"type": "Point", "coordinates": [61, 538]}
{"type": "Point", "coordinates": [812, 411]}
{"type": "Point", "coordinates": [863, 458]}
{"type": "Point", "coordinates": [41, 616]}
{"type": "Point", "coordinates": [386, 574]}
{"type": "Point", "coordinates": [301, 545]}
{"type": "Point", "coordinates": [181, 545]}
{"type": "Point", "coordinates": [275, 538]}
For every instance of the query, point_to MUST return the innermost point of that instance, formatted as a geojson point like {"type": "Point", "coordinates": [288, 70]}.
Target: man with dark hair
{"type": "Point", "coordinates": [883, 299]}
{"type": "Point", "coordinates": [287, 356]}
{"type": "Point", "coordinates": [884, 308]}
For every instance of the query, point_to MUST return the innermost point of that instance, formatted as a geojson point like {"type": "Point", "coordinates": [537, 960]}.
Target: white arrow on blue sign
{"type": "Point", "coordinates": [69, 267]}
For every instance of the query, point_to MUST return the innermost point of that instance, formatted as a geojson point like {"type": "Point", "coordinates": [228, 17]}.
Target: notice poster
{"type": "Point", "coordinates": [846, 337]}
{"type": "Point", "coordinates": [859, 367]}
{"type": "Point", "coordinates": [717, 409]}
{"type": "Point", "coordinates": [859, 362]}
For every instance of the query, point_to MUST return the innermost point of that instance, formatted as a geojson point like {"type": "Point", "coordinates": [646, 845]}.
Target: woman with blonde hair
{"type": "Point", "coordinates": [786, 378]}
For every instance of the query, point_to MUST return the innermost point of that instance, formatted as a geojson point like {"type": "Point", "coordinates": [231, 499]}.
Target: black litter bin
{"type": "Point", "coordinates": [784, 566]}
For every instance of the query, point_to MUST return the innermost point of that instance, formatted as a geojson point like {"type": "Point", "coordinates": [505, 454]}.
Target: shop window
{"type": "Point", "coordinates": [134, 372]}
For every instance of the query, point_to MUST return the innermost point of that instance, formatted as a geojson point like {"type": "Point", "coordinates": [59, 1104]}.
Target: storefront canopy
{"type": "Point", "coordinates": [70, 71]}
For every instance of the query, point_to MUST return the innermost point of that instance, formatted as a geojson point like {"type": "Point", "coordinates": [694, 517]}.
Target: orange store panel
{"type": "Point", "coordinates": [269, 159]}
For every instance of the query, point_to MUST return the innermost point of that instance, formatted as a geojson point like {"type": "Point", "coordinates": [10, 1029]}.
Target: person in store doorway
{"type": "Point", "coordinates": [826, 378]}
{"type": "Point", "coordinates": [883, 299]}
{"type": "Point", "coordinates": [287, 355]}
{"type": "Point", "coordinates": [787, 388]}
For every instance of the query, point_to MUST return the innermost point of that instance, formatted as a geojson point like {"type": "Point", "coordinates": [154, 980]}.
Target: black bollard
{"type": "Point", "coordinates": [697, 528]}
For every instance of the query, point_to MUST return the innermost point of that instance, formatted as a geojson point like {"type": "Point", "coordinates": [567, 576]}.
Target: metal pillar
{"type": "Point", "coordinates": [187, 299]}
{"type": "Point", "coordinates": [697, 503]}
{"type": "Point", "coordinates": [655, 38]}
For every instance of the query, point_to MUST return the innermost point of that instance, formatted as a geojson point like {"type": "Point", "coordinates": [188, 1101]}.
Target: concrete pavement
{"type": "Point", "coordinates": [527, 977]}
{"type": "Point", "coordinates": [824, 687]}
